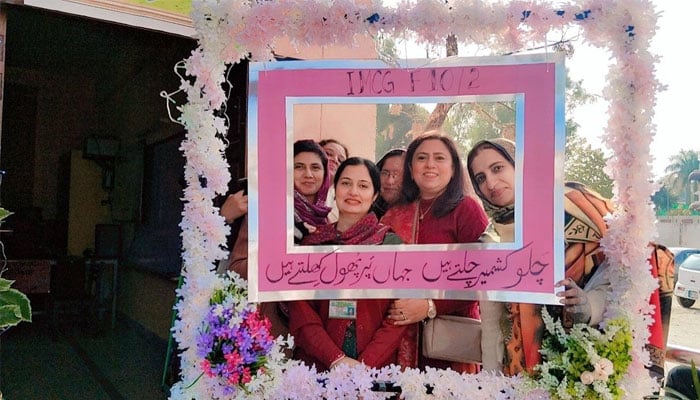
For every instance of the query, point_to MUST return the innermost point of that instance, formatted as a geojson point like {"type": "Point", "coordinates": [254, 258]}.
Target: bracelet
{"type": "Point", "coordinates": [337, 360]}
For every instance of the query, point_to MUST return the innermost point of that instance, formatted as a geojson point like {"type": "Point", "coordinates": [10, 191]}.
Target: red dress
{"type": "Point", "coordinates": [464, 224]}
{"type": "Point", "coordinates": [319, 339]}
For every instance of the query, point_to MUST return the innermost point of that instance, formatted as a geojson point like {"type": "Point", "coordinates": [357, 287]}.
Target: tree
{"type": "Point", "coordinates": [677, 172]}
{"type": "Point", "coordinates": [664, 201]}
{"type": "Point", "coordinates": [397, 124]}
{"type": "Point", "coordinates": [468, 123]}
{"type": "Point", "coordinates": [585, 164]}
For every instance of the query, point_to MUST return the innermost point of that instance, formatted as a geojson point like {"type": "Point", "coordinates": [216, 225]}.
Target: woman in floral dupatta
{"type": "Point", "coordinates": [512, 332]}
{"type": "Point", "coordinates": [433, 209]}
{"type": "Point", "coordinates": [328, 333]}
{"type": "Point", "coordinates": [311, 184]}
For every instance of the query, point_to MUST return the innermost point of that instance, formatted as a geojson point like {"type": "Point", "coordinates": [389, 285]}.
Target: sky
{"type": "Point", "coordinates": [675, 106]}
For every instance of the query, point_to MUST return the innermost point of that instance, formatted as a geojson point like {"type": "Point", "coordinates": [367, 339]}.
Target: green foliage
{"type": "Point", "coordinates": [677, 172]}
{"type": "Point", "coordinates": [468, 123]}
{"type": "Point", "coordinates": [14, 305]}
{"type": "Point", "coordinates": [677, 193]}
{"type": "Point", "coordinates": [680, 210]}
{"type": "Point", "coordinates": [585, 164]}
{"type": "Point", "coordinates": [664, 201]}
{"type": "Point", "coordinates": [396, 125]}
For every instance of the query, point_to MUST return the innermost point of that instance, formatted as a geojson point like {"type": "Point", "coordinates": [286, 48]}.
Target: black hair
{"type": "Point", "coordinates": [389, 154]}
{"type": "Point", "coordinates": [478, 147]}
{"type": "Point", "coordinates": [380, 205]}
{"type": "Point", "coordinates": [371, 168]}
{"type": "Point", "coordinates": [454, 191]}
{"type": "Point", "coordinates": [309, 146]}
{"type": "Point", "coordinates": [326, 141]}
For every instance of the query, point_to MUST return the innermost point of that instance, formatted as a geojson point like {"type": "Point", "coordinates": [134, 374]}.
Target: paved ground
{"type": "Point", "coordinates": [685, 328]}
{"type": "Point", "coordinates": [685, 325]}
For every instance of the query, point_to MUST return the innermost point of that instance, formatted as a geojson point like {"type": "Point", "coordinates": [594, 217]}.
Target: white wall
{"type": "Point", "coordinates": [679, 231]}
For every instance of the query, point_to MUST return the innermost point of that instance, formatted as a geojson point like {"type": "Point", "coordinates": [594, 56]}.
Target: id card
{"type": "Point", "coordinates": [346, 309]}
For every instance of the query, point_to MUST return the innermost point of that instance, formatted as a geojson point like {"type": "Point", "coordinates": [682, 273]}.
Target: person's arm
{"type": "Point", "coordinates": [410, 311]}
{"type": "Point", "coordinates": [238, 259]}
{"type": "Point", "coordinates": [309, 333]}
{"type": "Point", "coordinates": [381, 350]}
{"type": "Point", "coordinates": [586, 305]}
{"type": "Point", "coordinates": [235, 206]}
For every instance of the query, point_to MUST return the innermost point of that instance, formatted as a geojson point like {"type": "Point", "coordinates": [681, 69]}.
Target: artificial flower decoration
{"type": "Point", "coordinates": [584, 363]}
{"type": "Point", "coordinates": [231, 30]}
{"type": "Point", "coordinates": [234, 343]}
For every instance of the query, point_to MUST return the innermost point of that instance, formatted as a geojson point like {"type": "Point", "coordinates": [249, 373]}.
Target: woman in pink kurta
{"type": "Point", "coordinates": [328, 333]}
{"type": "Point", "coordinates": [434, 209]}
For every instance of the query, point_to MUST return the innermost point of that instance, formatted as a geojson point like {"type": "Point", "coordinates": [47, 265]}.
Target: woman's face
{"type": "Point", "coordinates": [336, 155]}
{"type": "Point", "coordinates": [495, 176]}
{"type": "Point", "coordinates": [391, 178]}
{"type": "Point", "coordinates": [432, 168]}
{"type": "Point", "coordinates": [354, 193]}
{"type": "Point", "coordinates": [308, 174]}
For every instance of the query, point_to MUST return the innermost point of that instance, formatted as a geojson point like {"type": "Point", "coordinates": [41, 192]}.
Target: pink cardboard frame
{"type": "Point", "coordinates": [524, 270]}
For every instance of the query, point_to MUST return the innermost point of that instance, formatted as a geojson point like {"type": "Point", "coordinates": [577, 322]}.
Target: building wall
{"type": "Point", "coordinates": [679, 231]}
{"type": "Point", "coordinates": [96, 79]}
{"type": "Point", "coordinates": [85, 203]}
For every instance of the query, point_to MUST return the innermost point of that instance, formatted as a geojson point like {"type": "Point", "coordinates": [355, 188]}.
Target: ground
{"type": "Point", "coordinates": [685, 327]}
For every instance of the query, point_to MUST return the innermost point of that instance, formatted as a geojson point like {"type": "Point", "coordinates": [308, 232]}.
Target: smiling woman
{"type": "Point", "coordinates": [350, 332]}
{"type": "Point", "coordinates": [311, 184]}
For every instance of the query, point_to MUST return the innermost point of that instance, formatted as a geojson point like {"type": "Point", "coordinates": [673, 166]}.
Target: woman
{"type": "Point", "coordinates": [328, 333]}
{"type": "Point", "coordinates": [310, 189]}
{"type": "Point", "coordinates": [311, 184]}
{"type": "Point", "coordinates": [491, 166]}
{"type": "Point", "coordinates": [391, 175]}
{"type": "Point", "coordinates": [336, 153]}
{"type": "Point", "coordinates": [433, 209]}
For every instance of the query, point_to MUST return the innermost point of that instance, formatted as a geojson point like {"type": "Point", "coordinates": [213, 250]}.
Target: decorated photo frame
{"type": "Point", "coordinates": [230, 30]}
{"type": "Point", "coordinates": [523, 270]}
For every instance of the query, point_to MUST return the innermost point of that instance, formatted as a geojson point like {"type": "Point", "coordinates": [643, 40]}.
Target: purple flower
{"type": "Point", "coordinates": [234, 352]}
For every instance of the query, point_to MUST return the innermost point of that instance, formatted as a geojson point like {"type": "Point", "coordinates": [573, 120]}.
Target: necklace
{"type": "Point", "coordinates": [421, 215]}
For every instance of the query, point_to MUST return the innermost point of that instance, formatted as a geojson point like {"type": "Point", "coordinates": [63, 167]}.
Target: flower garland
{"type": "Point", "coordinates": [230, 30]}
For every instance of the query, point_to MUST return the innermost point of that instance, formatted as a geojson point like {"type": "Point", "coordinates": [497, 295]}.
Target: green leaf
{"type": "Point", "coordinates": [4, 213]}
{"type": "Point", "coordinates": [14, 308]}
{"type": "Point", "coordinates": [10, 315]}
{"type": "Point", "coordinates": [5, 284]}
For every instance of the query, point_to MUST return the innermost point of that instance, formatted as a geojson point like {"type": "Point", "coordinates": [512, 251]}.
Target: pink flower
{"type": "Point", "coordinates": [587, 377]}
{"type": "Point", "coordinates": [604, 368]}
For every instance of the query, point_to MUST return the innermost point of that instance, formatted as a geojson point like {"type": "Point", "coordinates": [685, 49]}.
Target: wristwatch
{"type": "Point", "coordinates": [432, 311]}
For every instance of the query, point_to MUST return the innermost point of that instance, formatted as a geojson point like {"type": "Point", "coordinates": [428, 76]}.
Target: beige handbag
{"type": "Point", "coordinates": [452, 338]}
